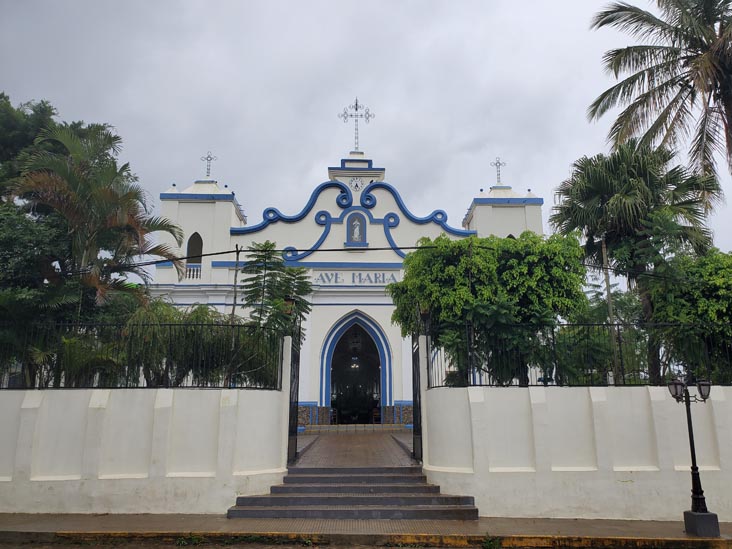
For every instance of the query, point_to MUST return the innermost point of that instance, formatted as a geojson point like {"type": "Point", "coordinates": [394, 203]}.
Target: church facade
{"type": "Point", "coordinates": [352, 235]}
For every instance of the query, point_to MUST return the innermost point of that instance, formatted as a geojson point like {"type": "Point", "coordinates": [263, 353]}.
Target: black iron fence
{"type": "Point", "coordinates": [50, 356]}
{"type": "Point", "coordinates": [582, 355]}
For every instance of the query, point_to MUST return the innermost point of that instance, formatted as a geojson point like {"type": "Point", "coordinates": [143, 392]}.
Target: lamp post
{"type": "Point", "coordinates": [699, 521]}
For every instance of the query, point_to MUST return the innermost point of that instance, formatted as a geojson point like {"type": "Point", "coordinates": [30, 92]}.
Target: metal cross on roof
{"type": "Point", "coordinates": [208, 158]}
{"type": "Point", "coordinates": [359, 111]}
{"type": "Point", "coordinates": [498, 165]}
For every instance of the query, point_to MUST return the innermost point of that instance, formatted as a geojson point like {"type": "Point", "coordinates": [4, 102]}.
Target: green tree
{"type": "Point", "coordinates": [30, 286]}
{"type": "Point", "coordinates": [275, 294]}
{"type": "Point", "coordinates": [104, 209]}
{"type": "Point", "coordinates": [19, 128]}
{"type": "Point", "coordinates": [489, 298]}
{"type": "Point", "coordinates": [697, 292]}
{"type": "Point", "coordinates": [677, 82]}
{"type": "Point", "coordinates": [633, 210]}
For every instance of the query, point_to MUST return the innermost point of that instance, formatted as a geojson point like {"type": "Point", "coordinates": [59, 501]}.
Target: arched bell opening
{"type": "Point", "coordinates": [194, 253]}
{"type": "Point", "coordinates": [355, 391]}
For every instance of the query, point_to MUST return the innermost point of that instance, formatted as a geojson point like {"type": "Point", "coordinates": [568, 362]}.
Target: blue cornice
{"type": "Point", "coordinates": [510, 201]}
{"type": "Point", "coordinates": [200, 197]}
{"type": "Point", "coordinates": [355, 169]}
{"type": "Point", "coordinates": [344, 160]}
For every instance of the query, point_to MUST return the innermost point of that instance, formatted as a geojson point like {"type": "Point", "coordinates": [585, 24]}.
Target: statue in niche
{"type": "Point", "coordinates": [356, 234]}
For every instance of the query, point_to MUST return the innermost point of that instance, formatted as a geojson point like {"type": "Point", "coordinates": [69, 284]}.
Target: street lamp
{"type": "Point", "coordinates": [699, 521]}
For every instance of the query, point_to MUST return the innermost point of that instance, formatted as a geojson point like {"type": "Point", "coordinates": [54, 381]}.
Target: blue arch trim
{"type": "Point", "coordinates": [368, 200]}
{"type": "Point", "coordinates": [382, 346]}
{"type": "Point", "coordinates": [273, 215]}
{"type": "Point", "coordinates": [345, 202]}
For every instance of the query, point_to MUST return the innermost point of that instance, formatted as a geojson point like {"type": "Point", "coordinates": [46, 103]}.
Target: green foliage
{"type": "Point", "coordinates": [30, 285]}
{"type": "Point", "coordinates": [697, 291]}
{"type": "Point", "coordinates": [104, 209]}
{"type": "Point", "coordinates": [638, 203]}
{"type": "Point", "coordinates": [275, 293]}
{"type": "Point", "coordinates": [643, 210]}
{"type": "Point", "coordinates": [158, 346]}
{"type": "Point", "coordinates": [676, 82]}
{"type": "Point", "coordinates": [491, 542]}
{"type": "Point", "coordinates": [19, 128]}
{"type": "Point", "coordinates": [477, 290]}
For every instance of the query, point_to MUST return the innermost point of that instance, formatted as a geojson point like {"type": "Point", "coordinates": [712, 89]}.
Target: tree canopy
{"type": "Point", "coordinates": [634, 211]}
{"type": "Point", "coordinates": [103, 207]}
{"type": "Point", "coordinates": [477, 290]}
{"type": "Point", "coordinates": [677, 82]}
{"type": "Point", "coordinates": [274, 293]}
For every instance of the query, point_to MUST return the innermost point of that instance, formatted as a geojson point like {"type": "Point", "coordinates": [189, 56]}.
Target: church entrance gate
{"type": "Point", "coordinates": [356, 370]}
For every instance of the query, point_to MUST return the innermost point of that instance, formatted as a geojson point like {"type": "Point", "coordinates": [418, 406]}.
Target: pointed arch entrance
{"type": "Point", "coordinates": [355, 368]}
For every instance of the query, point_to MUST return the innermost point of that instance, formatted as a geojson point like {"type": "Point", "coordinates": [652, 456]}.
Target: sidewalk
{"type": "Point", "coordinates": [486, 532]}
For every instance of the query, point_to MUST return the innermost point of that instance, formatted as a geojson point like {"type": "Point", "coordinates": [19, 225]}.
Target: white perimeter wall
{"type": "Point", "coordinates": [139, 450]}
{"type": "Point", "coordinates": [614, 452]}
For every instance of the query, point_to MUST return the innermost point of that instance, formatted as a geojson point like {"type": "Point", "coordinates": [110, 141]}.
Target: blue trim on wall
{"type": "Point", "coordinates": [196, 196]}
{"type": "Point", "coordinates": [521, 201]}
{"type": "Point", "coordinates": [382, 346]}
{"type": "Point", "coordinates": [199, 303]}
{"type": "Point", "coordinates": [352, 304]}
{"type": "Point", "coordinates": [164, 264]}
{"type": "Point", "coordinates": [318, 265]}
{"type": "Point", "coordinates": [343, 265]}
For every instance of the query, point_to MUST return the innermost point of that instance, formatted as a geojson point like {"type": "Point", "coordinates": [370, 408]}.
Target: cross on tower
{"type": "Point", "coordinates": [359, 111]}
{"type": "Point", "coordinates": [498, 165]}
{"type": "Point", "coordinates": [208, 158]}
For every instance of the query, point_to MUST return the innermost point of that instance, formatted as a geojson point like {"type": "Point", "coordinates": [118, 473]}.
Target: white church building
{"type": "Point", "coordinates": [352, 235]}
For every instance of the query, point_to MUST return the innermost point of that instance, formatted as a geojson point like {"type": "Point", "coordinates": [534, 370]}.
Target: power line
{"type": "Point", "coordinates": [616, 270]}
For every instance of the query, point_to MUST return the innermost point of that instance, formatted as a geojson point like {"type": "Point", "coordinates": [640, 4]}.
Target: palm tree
{"type": "Point", "coordinates": [631, 208]}
{"type": "Point", "coordinates": [104, 208]}
{"type": "Point", "coordinates": [679, 81]}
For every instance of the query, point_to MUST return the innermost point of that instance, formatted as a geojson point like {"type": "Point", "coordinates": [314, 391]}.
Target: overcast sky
{"type": "Point", "coordinates": [453, 84]}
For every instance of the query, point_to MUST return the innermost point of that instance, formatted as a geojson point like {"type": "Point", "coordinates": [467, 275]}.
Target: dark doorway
{"type": "Point", "coordinates": [355, 389]}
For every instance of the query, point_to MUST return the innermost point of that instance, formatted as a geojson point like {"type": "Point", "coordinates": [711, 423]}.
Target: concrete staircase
{"type": "Point", "coordinates": [355, 493]}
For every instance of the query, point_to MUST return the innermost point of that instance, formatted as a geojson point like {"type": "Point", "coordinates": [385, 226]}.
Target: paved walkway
{"type": "Point", "coordinates": [355, 450]}
{"type": "Point", "coordinates": [509, 532]}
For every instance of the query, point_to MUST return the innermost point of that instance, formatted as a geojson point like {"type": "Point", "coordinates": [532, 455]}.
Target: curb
{"type": "Point", "coordinates": [393, 540]}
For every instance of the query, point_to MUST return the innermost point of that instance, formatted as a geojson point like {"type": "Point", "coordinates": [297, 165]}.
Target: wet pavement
{"type": "Point", "coordinates": [355, 450]}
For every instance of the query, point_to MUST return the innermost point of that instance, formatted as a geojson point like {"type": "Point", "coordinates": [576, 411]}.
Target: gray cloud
{"type": "Point", "coordinates": [453, 85]}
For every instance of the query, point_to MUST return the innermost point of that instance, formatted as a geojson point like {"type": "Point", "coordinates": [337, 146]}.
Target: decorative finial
{"type": "Point", "coordinates": [359, 111]}
{"type": "Point", "coordinates": [208, 158]}
{"type": "Point", "coordinates": [498, 165]}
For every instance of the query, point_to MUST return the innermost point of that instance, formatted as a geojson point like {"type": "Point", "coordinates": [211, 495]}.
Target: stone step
{"type": "Point", "coordinates": [355, 489]}
{"type": "Point", "coordinates": [405, 500]}
{"type": "Point", "coordinates": [355, 470]}
{"type": "Point", "coordinates": [423, 512]}
{"type": "Point", "coordinates": [355, 479]}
